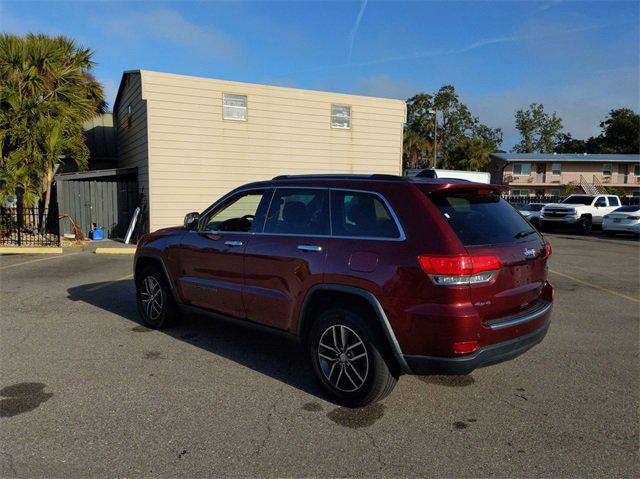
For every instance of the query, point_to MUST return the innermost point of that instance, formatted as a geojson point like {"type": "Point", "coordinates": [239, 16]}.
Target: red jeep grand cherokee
{"type": "Point", "coordinates": [378, 275]}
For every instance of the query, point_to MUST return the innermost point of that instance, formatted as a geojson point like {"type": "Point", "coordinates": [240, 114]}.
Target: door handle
{"type": "Point", "coordinates": [309, 247]}
{"type": "Point", "coordinates": [233, 243]}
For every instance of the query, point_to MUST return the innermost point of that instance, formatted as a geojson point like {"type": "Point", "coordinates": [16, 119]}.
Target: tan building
{"type": "Point", "coordinates": [536, 174]}
{"type": "Point", "coordinates": [194, 139]}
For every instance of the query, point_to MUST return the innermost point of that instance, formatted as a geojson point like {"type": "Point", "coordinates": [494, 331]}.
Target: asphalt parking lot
{"type": "Point", "coordinates": [87, 391]}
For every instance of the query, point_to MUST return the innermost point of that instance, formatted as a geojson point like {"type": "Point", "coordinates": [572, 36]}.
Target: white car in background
{"type": "Point", "coordinates": [625, 219]}
{"type": "Point", "coordinates": [532, 212]}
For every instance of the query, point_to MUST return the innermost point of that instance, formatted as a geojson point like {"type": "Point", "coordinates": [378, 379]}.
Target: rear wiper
{"type": "Point", "coordinates": [522, 234]}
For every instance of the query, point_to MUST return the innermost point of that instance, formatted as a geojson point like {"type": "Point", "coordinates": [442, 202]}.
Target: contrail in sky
{"type": "Point", "coordinates": [356, 25]}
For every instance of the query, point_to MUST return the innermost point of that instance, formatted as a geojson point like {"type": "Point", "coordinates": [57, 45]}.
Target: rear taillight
{"type": "Point", "coordinates": [547, 249]}
{"type": "Point", "coordinates": [465, 347]}
{"type": "Point", "coordinates": [453, 270]}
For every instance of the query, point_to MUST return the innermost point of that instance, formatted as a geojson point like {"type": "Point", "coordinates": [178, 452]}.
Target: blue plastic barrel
{"type": "Point", "coordinates": [97, 234]}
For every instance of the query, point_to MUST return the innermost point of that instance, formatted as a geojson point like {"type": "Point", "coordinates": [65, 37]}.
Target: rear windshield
{"type": "Point", "coordinates": [578, 200]}
{"type": "Point", "coordinates": [483, 219]}
{"type": "Point", "coordinates": [627, 209]}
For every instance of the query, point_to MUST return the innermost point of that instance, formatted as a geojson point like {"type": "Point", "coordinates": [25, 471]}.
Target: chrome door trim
{"type": "Point", "coordinates": [310, 247]}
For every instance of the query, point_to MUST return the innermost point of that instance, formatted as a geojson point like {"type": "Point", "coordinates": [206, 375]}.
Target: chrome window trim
{"type": "Point", "coordinates": [226, 197]}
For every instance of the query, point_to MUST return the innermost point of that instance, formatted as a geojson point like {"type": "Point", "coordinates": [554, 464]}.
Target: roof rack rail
{"type": "Point", "coordinates": [375, 176]}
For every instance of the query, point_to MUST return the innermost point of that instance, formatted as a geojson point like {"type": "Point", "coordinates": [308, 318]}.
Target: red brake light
{"type": "Point", "coordinates": [458, 265]}
{"type": "Point", "coordinates": [547, 249]}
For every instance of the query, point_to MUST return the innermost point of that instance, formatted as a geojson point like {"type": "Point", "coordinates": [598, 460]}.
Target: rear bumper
{"type": "Point", "coordinates": [628, 228]}
{"type": "Point", "coordinates": [492, 354]}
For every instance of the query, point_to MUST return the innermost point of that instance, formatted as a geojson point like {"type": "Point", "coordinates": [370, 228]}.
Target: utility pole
{"type": "Point", "coordinates": [435, 136]}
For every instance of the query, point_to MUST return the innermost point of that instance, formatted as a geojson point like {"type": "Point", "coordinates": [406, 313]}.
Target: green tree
{"type": "Point", "coordinates": [567, 144]}
{"type": "Point", "coordinates": [620, 132]}
{"type": "Point", "coordinates": [539, 130]}
{"type": "Point", "coordinates": [456, 125]}
{"type": "Point", "coordinates": [47, 92]}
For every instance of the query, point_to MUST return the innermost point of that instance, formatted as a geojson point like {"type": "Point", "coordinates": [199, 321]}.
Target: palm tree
{"type": "Point", "coordinates": [415, 147]}
{"type": "Point", "coordinates": [47, 92]}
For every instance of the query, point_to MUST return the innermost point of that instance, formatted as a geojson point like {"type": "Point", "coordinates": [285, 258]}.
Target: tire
{"type": "Point", "coordinates": [585, 225]}
{"type": "Point", "coordinates": [350, 379]}
{"type": "Point", "coordinates": [162, 312]}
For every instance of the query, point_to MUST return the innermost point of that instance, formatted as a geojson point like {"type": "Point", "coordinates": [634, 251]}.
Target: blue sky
{"type": "Point", "coordinates": [579, 59]}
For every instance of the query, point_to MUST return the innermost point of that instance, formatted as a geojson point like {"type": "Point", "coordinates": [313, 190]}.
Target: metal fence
{"type": "Point", "coordinates": [525, 200]}
{"type": "Point", "coordinates": [29, 226]}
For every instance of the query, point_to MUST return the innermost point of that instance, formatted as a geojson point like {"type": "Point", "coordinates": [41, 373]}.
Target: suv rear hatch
{"type": "Point", "coordinates": [488, 226]}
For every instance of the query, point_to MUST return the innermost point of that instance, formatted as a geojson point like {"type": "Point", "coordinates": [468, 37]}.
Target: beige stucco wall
{"type": "Point", "coordinates": [194, 156]}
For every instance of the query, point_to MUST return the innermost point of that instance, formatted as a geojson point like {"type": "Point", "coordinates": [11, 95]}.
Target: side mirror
{"type": "Point", "coordinates": [191, 220]}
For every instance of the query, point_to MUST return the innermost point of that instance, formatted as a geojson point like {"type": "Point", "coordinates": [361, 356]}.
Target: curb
{"type": "Point", "coordinates": [28, 250]}
{"type": "Point", "coordinates": [115, 251]}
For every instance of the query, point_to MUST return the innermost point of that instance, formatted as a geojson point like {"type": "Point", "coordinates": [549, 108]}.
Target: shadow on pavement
{"type": "Point", "coordinates": [274, 355]}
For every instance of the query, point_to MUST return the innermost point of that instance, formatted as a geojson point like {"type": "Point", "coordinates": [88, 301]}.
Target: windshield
{"type": "Point", "coordinates": [482, 219]}
{"type": "Point", "coordinates": [578, 200]}
{"type": "Point", "coordinates": [627, 209]}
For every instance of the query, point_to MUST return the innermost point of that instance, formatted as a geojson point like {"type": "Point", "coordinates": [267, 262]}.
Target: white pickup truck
{"type": "Point", "coordinates": [578, 211]}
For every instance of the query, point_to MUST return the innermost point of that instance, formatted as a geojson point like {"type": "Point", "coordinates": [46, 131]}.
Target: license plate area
{"type": "Point", "coordinates": [522, 274]}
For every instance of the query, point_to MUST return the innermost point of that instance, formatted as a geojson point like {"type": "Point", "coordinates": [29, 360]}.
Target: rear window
{"type": "Point", "coordinates": [483, 219]}
{"type": "Point", "coordinates": [627, 209]}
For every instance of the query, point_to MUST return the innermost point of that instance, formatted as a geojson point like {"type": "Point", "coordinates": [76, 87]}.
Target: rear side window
{"type": "Point", "coordinates": [613, 201]}
{"type": "Point", "coordinates": [361, 214]}
{"type": "Point", "coordinates": [299, 211]}
{"type": "Point", "coordinates": [483, 219]}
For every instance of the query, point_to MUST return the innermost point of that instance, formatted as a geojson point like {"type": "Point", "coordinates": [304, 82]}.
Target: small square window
{"type": "Point", "coordinates": [234, 107]}
{"type": "Point", "coordinates": [556, 169]}
{"type": "Point", "coordinates": [606, 169]}
{"type": "Point", "coordinates": [340, 116]}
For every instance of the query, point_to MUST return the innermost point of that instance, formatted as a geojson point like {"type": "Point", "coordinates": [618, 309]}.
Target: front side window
{"type": "Point", "coordinates": [613, 201]}
{"type": "Point", "coordinates": [340, 116]}
{"type": "Point", "coordinates": [522, 169]}
{"type": "Point", "coordinates": [238, 214]}
{"type": "Point", "coordinates": [299, 211]}
{"type": "Point", "coordinates": [361, 214]}
{"type": "Point", "coordinates": [606, 169]}
{"type": "Point", "coordinates": [601, 201]}
{"type": "Point", "coordinates": [234, 107]}
{"type": "Point", "coordinates": [556, 169]}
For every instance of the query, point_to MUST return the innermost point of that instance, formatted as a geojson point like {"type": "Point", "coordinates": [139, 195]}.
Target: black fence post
{"type": "Point", "coordinates": [19, 214]}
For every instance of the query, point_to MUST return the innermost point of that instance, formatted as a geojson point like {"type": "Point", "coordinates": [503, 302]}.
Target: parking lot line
{"type": "Point", "coordinates": [36, 260]}
{"type": "Point", "coordinates": [595, 286]}
{"type": "Point", "coordinates": [104, 285]}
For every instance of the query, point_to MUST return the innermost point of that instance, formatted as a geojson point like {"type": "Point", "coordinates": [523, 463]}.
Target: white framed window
{"type": "Point", "coordinates": [522, 169]}
{"type": "Point", "coordinates": [556, 169]}
{"type": "Point", "coordinates": [606, 169]}
{"type": "Point", "coordinates": [520, 193]}
{"type": "Point", "coordinates": [340, 116]}
{"type": "Point", "coordinates": [234, 107]}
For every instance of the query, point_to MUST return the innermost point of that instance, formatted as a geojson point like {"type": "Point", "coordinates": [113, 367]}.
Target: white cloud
{"type": "Point", "coordinates": [169, 25]}
{"type": "Point", "coordinates": [386, 87]}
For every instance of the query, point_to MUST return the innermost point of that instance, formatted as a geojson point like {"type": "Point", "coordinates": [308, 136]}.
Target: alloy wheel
{"type": "Point", "coordinates": [343, 358]}
{"type": "Point", "coordinates": [152, 298]}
